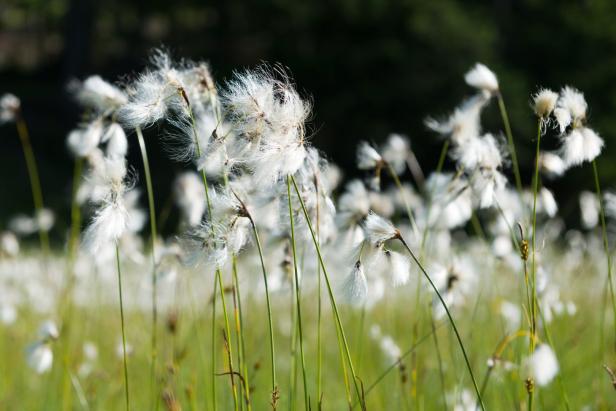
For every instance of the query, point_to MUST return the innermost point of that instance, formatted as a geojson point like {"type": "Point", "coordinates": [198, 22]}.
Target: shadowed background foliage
{"type": "Point", "coordinates": [371, 67]}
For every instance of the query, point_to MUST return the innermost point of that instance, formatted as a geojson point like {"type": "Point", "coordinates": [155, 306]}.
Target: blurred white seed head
{"type": "Point", "coordinates": [355, 286]}
{"type": "Point", "coordinates": [589, 209]}
{"type": "Point", "coordinates": [367, 157]}
{"type": "Point", "coordinates": [573, 101]}
{"type": "Point", "coordinates": [39, 357]}
{"type": "Point", "coordinates": [482, 78]}
{"type": "Point", "coordinates": [399, 268]}
{"type": "Point", "coordinates": [100, 95]}
{"type": "Point", "coordinates": [82, 141]}
{"type": "Point", "coordinates": [189, 195]}
{"type": "Point", "coordinates": [396, 152]}
{"type": "Point", "coordinates": [551, 164]}
{"type": "Point", "coordinates": [542, 365]}
{"type": "Point", "coordinates": [9, 107]}
{"type": "Point", "coordinates": [580, 145]}
{"type": "Point", "coordinates": [9, 244]}
{"type": "Point", "coordinates": [117, 143]}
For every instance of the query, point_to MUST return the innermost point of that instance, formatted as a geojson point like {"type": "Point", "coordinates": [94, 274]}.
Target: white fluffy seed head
{"type": "Point", "coordinates": [551, 164]}
{"type": "Point", "coordinates": [544, 102]}
{"type": "Point", "coordinates": [396, 152]}
{"type": "Point", "coordinates": [399, 267]}
{"type": "Point", "coordinates": [189, 195]}
{"type": "Point", "coordinates": [117, 143]}
{"type": "Point", "coordinates": [573, 101]}
{"type": "Point", "coordinates": [580, 145]}
{"type": "Point", "coordinates": [82, 141]}
{"type": "Point", "coordinates": [100, 95]}
{"type": "Point", "coordinates": [355, 287]}
{"type": "Point", "coordinates": [379, 230]}
{"type": "Point", "coordinates": [482, 78]}
{"type": "Point", "coordinates": [367, 157]}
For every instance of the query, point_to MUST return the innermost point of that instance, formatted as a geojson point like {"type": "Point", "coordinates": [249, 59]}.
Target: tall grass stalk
{"type": "Point", "coordinates": [153, 239]}
{"type": "Point", "coordinates": [512, 150]}
{"type": "Point", "coordinates": [269, 307]}
{"type": "Point", "coordinates": [240, 340]}
{"type": "Point", "coordinates": [35, 181]}
{"type": "Point", "coordinates": [606, 245]}
{"type": "Point", "coordinates": [319, 336]}
{"type": "Point", "coordinates": [217, 278]}
{"type": "Point", "coordinates": [297, 294]}
{"type": "Point", "coordinates": [451, 320]}
{"type": "Point", "coordinates": [342, 336]}
{"type": "Point", "coordinates": [124, 355]}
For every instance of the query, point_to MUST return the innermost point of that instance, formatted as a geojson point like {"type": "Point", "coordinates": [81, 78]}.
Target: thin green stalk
{"type": "Point", "coordinates": [218, 277]}
{"type": "Point", "coordinates": [153, 237]}
{"type": "Point", "coordinates": [407, 206]}
{"type": "Point", "coordinates": [75, 212]}
{"type": "Point", "coordinates": [269, 306]}
{"type": "Point", "coordinates": [319, 337]}
{"type": "Point", "coordinates": [512, 151]}
{"type": "Point", "coordinates": [440, 362]}
{"type": "Point", "coordinates": [606, 245]}
{"type": "Point", "coordinates": [451, 320]}
{"type": "Point", "coordinates": [127, 397]}
{"type": "Point", "coordinates": [439, 167]}
{"type": "Point", "coordinates": [213, 352]}
{"type": "Point", "coordinates": [242, 347]}
{"type": "Point", "coordinates": [238, 332]}
{"type": "Point", "coordinates": [533, 307]}
{"type": "Point", "coordinates": [331, 294]}
{"type": "Point", "coordinates": [297, 294]}
{"type": "Point", "coordinates": [35, 182]}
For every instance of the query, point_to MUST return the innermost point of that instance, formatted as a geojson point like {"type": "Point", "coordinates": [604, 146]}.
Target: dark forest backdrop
{"type": "Point", "coordinates": [371, 67]}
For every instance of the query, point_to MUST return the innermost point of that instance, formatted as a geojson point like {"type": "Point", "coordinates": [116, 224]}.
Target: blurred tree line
{"type": "Point", "coordinates": [372, 67]}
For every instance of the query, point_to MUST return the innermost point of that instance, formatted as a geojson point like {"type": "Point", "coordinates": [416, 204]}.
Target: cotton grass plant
{"type": "Point", "coordinates": [455, 257]}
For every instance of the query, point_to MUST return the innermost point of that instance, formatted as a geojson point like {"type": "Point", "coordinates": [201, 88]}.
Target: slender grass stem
{"type": "Point", "coordinates": [153, 239]}
{"type": "Point", "coordinates": [241, 343]}
{"type": "Point", "coordinates": [269, 307]}
{"type": "Point", "coordinates": [512, 150]}
{"type": "Point", "coordinates": [534, 239]}
{"type": "Point", "coordinates": [331, 294]}
{"type": "Point", "coordinates": [606, 245]}
{"type": "Point", "coordinates": [319, 336]}
{"type": "Point", "coordinates": [440, 362]}
{"type": "Point", "coordinates": [35, 181]}
{"type": "Point", "coordinates": [407, 206]}
{"type": "Point", "coordinates": [297, 294]}
{"type": "Point", "coordinates": [119, 269]}
{"type": "Point", "coordinates": [213, 343]}
{"type": "Point", "coordinates": [451, 320]}
{"type": "Point", "coordinates": [218, 277]}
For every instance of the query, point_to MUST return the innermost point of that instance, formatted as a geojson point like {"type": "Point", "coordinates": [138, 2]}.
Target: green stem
{"type": "Point", "coordinates": [153, 238]}
{"type": "Point", "coordinates": [451, 320]}
{"type": "Point", "coordinates": [606, 245]}
{"type": "Point", "coordinates": [512, 151]}
{"type": "Point", "coordinates": [242, 346]}
{"type": "Point", "coordinates": [127, 397]}
{"type": "Point", "coordinates": [331, 294]}
{"type": "Point", "coordinates": [407, 206]}
{"type": "Point", "coordinates": [269, 305]}
{"type": "Point", "coordinates": [35, 182]}
{"type": "Point", "coordinates": [533, 245]}
{"type": "Point", "coordinates": [297, 294]}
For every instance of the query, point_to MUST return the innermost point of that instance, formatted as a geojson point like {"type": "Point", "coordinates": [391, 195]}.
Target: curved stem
{"type": "Point", "coordinates": [606, 245]}
{"type": "Point", "coordinates": [35, 182]}
{"type": "Point", "coordinates": [331, 294]}
{"type": "Point", "coordinates": [269, 305]}
{"type": "Point", "coordinates": [127, 397]}
{"type": "Point", "coordinates": [297, 294]}
{"type": "Point", "coordinates": [153, 238]}
{"type": "Point", "coordinates": [451, 320]}
{"type": "Point", "coordinates": [512, 151]}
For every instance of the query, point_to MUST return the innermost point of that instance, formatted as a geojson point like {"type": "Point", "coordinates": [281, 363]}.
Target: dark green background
{"type": "Point", "coordinates": [371, 67]}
